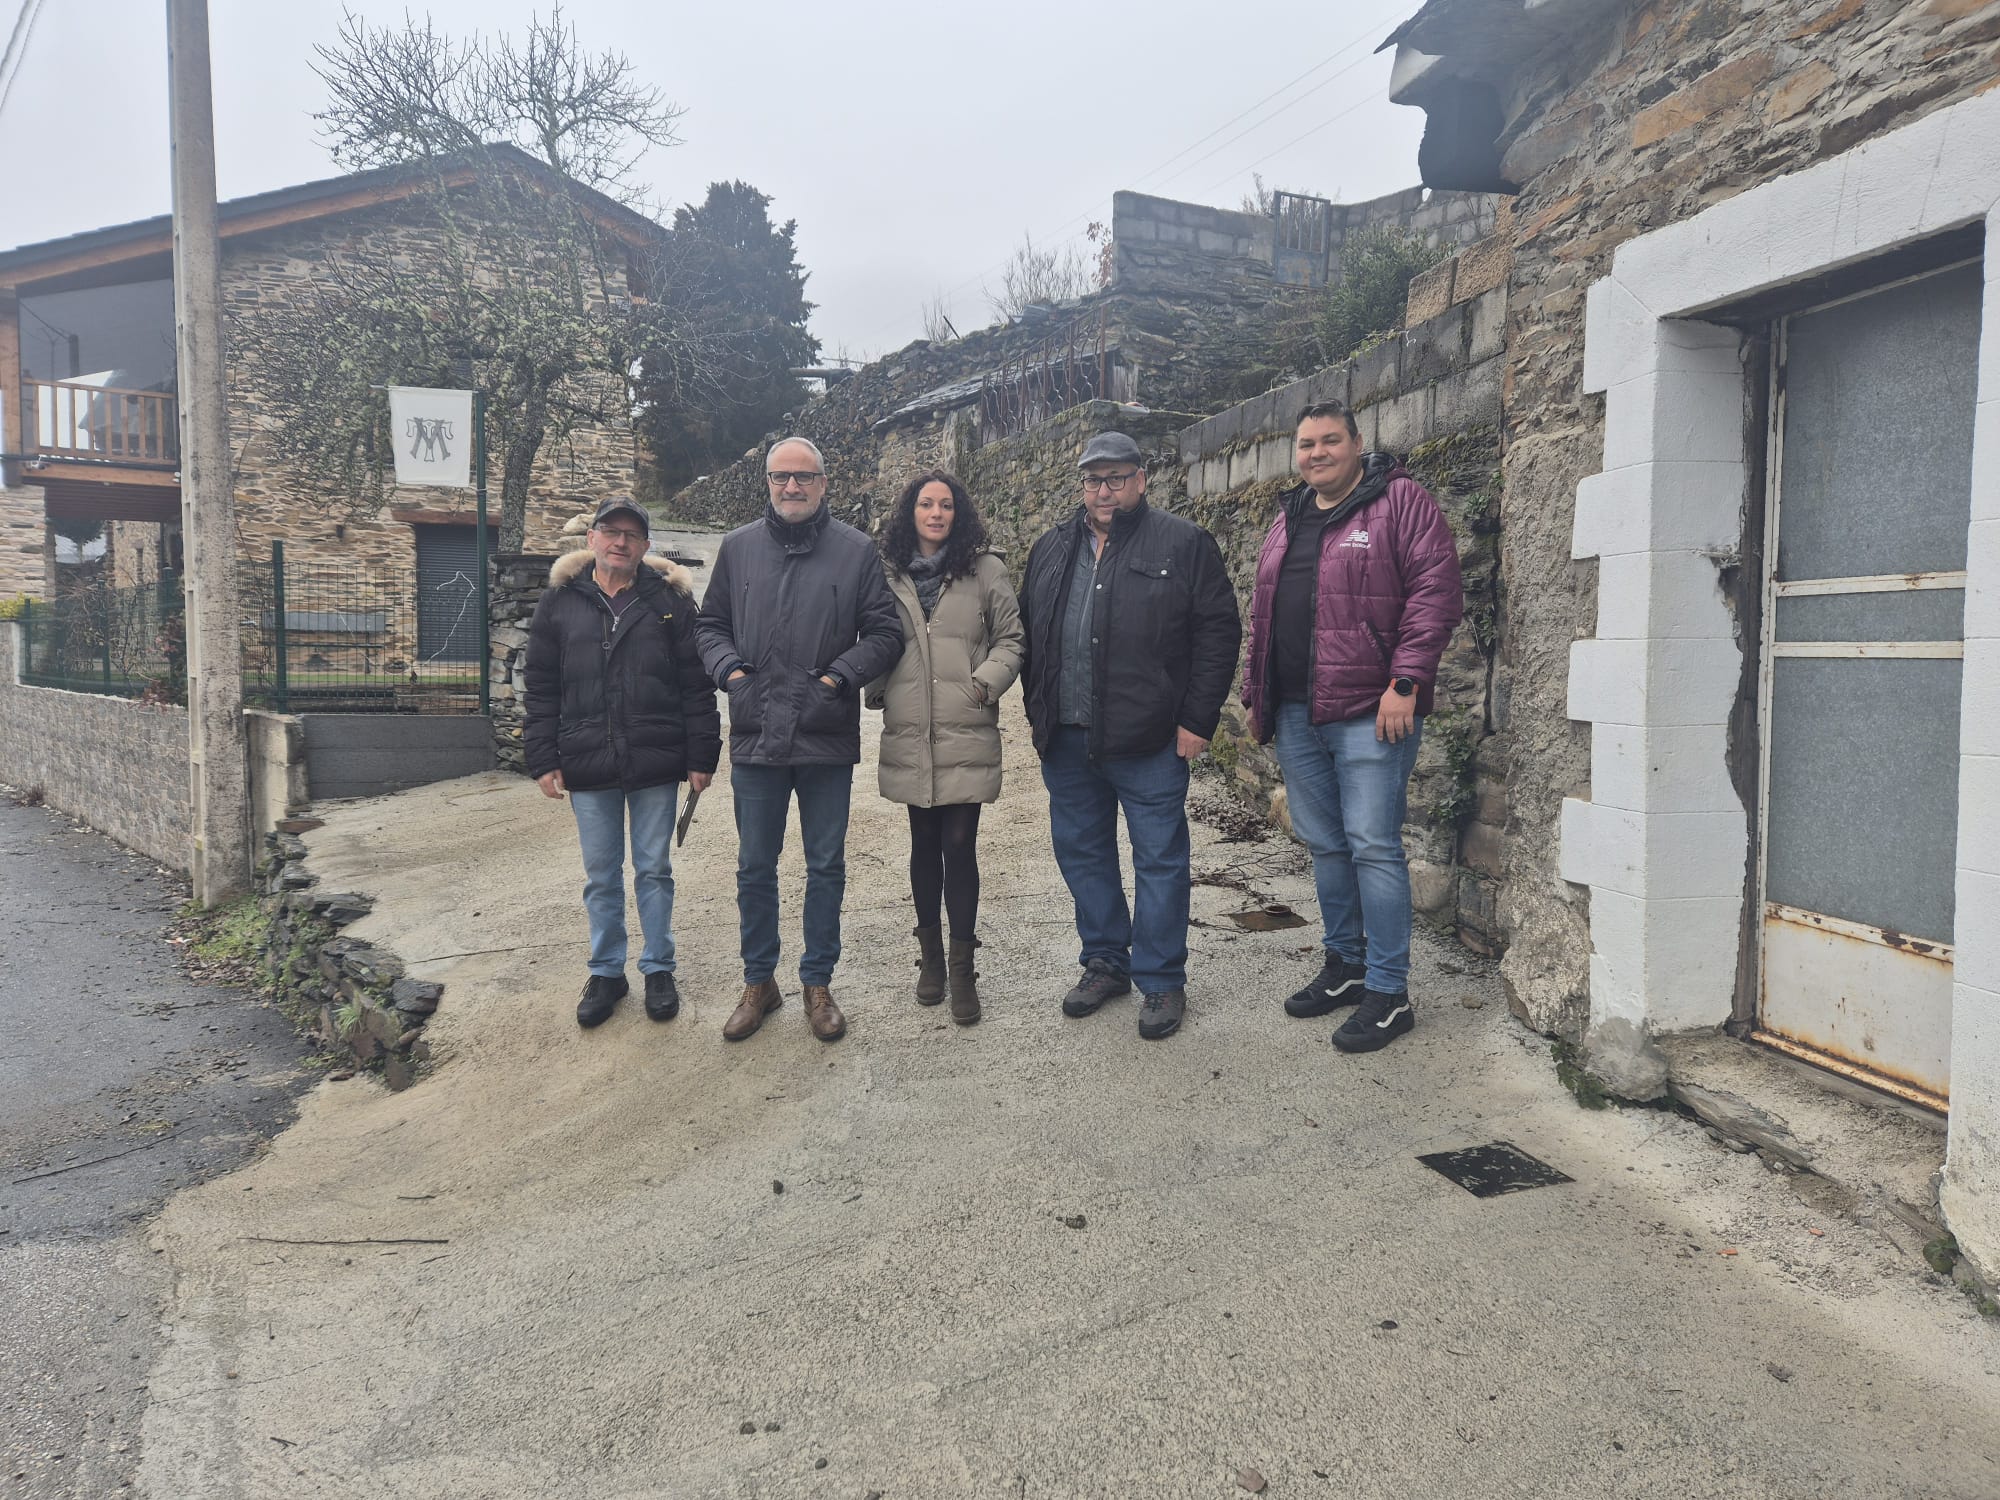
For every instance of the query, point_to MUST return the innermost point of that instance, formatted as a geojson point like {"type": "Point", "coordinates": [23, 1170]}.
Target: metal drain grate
{"type": "Point", "coordinates": [1489, 1171]}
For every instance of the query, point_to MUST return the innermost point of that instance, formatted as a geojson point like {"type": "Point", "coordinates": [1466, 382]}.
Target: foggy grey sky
{"type": "Point", "coordinates": [913, 143]}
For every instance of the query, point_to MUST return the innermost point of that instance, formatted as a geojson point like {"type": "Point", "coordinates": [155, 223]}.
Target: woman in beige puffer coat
{"type": "Point", "coordinates": [941, 714]}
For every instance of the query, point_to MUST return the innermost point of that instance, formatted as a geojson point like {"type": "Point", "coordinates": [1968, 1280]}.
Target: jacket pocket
{"type": "Point", "coordinates": [824, 710]}
{"type": "Point", "coordinates": [746, 701]}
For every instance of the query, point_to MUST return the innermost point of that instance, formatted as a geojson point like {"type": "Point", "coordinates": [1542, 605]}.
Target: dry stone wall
{"type": "Point", "coordinates": [1191, 312]}
{"type": "Point", "coordinates": [1678, 105]}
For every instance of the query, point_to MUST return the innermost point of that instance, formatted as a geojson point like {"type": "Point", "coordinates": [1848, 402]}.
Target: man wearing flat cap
{"type": "Point", "coordinates": [619, 712]}
{"type": "Point", "coordinates": [1132, 637]}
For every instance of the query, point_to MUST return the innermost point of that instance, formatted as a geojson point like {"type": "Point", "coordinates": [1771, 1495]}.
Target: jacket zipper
{"type": "Point", "coordinates": [1381, 645]}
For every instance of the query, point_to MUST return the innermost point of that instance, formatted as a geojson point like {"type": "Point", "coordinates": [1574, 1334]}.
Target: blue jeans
{"type": "Point", "coordinates": [1149, 939]}
{"type": "Point", "coordinates": [1348, 793]}
{"type": "Point", "coordinates": [600, 827]}
{"type": "Point", "coordinates": [763, 796]}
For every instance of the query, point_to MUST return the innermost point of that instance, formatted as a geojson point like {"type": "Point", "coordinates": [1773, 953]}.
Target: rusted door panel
{"type": "Point", "coordinates": [1883, 1007]}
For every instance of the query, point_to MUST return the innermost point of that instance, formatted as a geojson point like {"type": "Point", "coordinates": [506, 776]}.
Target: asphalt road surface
{"type": "Point", "coordinates": [120, 1081]}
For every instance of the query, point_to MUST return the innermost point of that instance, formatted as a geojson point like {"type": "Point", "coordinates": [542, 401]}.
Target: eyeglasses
{"type": "Point", "coordinates": [620, 534]}
{"type": "Point", "coordinates": [783, 477]}
{"type": "Point", "coordinates": [1111, 483]}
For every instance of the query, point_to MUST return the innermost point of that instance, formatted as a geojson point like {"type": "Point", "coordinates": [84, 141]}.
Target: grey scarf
{"type": "Point", "coordinates": [927, 573]}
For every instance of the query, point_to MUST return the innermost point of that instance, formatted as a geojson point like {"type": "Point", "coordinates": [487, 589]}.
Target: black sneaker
{"type": "Point", "coordinates": [1160, 1015]}
{"type": "Point", "coordinates": [1338, 983]}
{"type": "Point", "coordinates": [1376, 1022]}
{"type": "Point", "coordinates": [601, 994]}
{"type": "Point", "coordinates": [663, 998]}
{"type": "Point", "coordinates": [1100, 983]}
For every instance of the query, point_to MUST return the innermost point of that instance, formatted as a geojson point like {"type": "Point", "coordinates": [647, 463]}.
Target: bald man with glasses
{"type": "Point", "coordinates": [1132, 637]}
{"type": "Point", "coordinates": [798, 618]}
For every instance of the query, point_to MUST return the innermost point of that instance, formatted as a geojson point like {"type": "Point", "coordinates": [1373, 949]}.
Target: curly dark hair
{"type": "Point", "coordinates": [964, 543]}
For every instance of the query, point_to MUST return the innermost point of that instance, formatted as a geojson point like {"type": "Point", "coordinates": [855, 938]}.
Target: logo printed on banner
{"type": "Point", "coordinates": [432, 428]}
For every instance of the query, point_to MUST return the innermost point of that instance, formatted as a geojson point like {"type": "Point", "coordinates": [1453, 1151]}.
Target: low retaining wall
{"type": "Point", "coordinates": [353, 995]}
{"type": "Point", "coordinates": [116, 764]}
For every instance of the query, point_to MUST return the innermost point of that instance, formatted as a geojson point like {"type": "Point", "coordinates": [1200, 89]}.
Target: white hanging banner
{"type": "Point", "coordinates": [433, 431]}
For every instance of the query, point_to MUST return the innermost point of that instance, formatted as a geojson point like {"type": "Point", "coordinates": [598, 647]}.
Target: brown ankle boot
{"type": "Point", "coordinates": [827, 1023]}
{"type": "Point", "coordinates": [758, 1001]}
{"type": "Point", "coordinates": [964, 989]}
{"type": "Point", "coordinates": [930, 965]}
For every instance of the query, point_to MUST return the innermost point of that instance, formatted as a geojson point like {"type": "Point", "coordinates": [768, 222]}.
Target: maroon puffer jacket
{"type": "Point", "coordinates": [1389, 596]}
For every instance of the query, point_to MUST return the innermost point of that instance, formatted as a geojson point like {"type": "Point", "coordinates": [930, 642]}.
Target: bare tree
{"type": "Point", "coordinates": [937, 321]}
{"type": "Point", "coordinates": [400, 95]}
{"type": "Point", "coordinates": [1035, 277]}
{"type": "Point", "coordinates": [504, 274]}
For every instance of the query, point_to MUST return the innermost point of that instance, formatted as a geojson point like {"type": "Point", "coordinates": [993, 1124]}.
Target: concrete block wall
{"type": "Point", "coordinates": [1441, 376]}
{"type": "Point", "coordinates": [118, 765]}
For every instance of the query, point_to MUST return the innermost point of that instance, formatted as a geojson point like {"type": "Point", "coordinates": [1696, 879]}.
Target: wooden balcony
{"type": "Point", "coordinates": [63, 419]}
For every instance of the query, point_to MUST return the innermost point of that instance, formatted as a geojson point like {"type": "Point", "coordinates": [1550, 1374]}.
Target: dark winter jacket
{"type": "Point", "coordinates": [1388, 597]}
{"type": "Point", "coordinates": [1164, 625]}
{"type": "Point", "coordinates": [627, 707]}
{"type": "Point", "coordinates": [789, 603]}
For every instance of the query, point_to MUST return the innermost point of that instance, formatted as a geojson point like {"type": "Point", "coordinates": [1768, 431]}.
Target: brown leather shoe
{"type": "Point", "coordinates": [758, 1001]}
{"type": "Point", "coordinates": [827, 1023]}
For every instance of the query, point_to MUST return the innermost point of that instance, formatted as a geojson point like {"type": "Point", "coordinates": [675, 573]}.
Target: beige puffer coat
{"type": "Point", "coordinates": [941, 702]}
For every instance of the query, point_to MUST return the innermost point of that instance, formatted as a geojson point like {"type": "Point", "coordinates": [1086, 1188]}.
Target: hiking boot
{"type": "Point", "coordinates": [827, 1023]}
{"type": "Point", "coordinates": [1160, 1015]}
{"type": "Point", "coordinates": [964, 983]}
{"type": "Point", "coordinates": [601, 994]}
{"type": "Point", "coordinates": [1376, 1022]}
{"type": "Point", "coordinates": [663, 996]}
{"type": "Point", "coordinates": [930, 964]}
{"type": "Point", "coordinates": [1338, 983]}
{"type": "Point", "coordinates": [1100, 983]}
{"type": "Point", "coordinates": [758, 1001]}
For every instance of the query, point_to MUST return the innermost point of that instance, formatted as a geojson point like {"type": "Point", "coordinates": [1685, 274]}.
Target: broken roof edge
{"type": "Point", "coordinates": [324, 198]}
{"type": "Point", "coordinates": [1482, 40]}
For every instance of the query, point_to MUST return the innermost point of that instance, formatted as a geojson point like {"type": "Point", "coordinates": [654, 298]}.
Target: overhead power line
{"type": "Point", "coordinates": [17, 48]}
{"type": "Point", "coordinates": [1381, 93]}
{"type": "Point", "coordinates": [980, 277]}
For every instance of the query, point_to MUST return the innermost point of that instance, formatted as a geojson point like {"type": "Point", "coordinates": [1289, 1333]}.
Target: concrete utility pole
{"type": "Point", "coordinates": [218, 759]}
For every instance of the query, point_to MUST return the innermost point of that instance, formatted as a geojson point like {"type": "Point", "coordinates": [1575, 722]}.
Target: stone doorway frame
{"type": "Point", "coordinates": [1663, 840]}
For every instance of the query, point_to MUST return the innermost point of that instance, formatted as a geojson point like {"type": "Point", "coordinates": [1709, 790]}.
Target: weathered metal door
{"type": "Point", "coordinates": [447, 594]}
{"type": "Point", "coordinates": [1863, 649]}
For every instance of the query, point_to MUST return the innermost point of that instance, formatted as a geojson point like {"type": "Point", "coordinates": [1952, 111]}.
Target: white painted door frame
{"type": "Point", "coordinates": [1663, 841]}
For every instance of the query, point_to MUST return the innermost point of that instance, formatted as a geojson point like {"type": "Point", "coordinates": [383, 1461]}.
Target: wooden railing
{"type": "Point", "coordinates": [66, 419]}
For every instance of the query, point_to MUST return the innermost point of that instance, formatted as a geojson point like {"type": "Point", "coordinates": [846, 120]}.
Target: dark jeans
{"type": "Point", "coordinates": [944, 866]}
{"type": "Point", "coordinates": [1149, 939]}
{"type": "Point", "coordinates": [763, 797]}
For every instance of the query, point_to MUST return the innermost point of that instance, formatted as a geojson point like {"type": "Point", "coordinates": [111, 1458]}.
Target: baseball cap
{"type": "Point", "coordinates": [618, 503]}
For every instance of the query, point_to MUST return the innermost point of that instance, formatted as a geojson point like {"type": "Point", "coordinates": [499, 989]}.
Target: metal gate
{"type": "Point", "coordinates": [1863, 650]}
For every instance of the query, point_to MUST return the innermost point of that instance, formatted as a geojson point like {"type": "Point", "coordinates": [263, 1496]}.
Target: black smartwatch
{"type": "Point", "coordinates": [1404, 686]}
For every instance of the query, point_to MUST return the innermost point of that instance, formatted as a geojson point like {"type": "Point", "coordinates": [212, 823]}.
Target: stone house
{"type": "Point", "coordinates": [89, 426]}
{"type": "Point", "coordinates": [1749, 664]}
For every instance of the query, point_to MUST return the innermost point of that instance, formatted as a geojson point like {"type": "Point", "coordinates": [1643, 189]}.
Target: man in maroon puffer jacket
{"type": "Point", "coordinates": [1357, 592]}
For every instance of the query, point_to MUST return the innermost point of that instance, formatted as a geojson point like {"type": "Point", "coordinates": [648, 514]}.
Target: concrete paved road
{"type": "Point", "coordinates": [1034, 1258]}
{"type": "Point", "coordinates": [119, 1081]}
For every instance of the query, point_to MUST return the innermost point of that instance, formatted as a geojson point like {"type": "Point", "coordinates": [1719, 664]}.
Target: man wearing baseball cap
{"type": "Point", "coordinates": [1132, 636]}
{"type": "Point", "coordinates": [619, 712]}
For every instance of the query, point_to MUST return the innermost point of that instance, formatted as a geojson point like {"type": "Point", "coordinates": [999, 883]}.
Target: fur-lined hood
{"type": "Point", "coordinates": [571, 565]}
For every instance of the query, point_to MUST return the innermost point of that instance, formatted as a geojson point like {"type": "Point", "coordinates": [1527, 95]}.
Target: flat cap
{"type": "Point", "coordinates": [617, 503]}
{"type": "Point", "coordinates": [1110, 448]}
